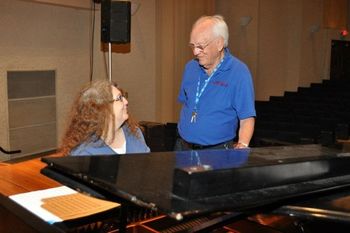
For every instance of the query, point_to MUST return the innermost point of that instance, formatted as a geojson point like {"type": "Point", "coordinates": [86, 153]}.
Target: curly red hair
{"type": "Point", "coordinates": [90, 115]}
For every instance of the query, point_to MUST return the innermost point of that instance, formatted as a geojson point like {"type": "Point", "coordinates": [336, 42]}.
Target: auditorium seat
{"type": "Point", "coordinates": [159, 136]}
{"type": "Point", "coordinates": [170, 135]}
{"type": "Point", "coordinates": [316, 114]}
{"type": "Point", "coordinates": [154, 134]}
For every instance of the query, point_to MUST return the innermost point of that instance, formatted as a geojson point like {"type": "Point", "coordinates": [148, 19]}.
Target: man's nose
{"type": "Point", "coordinates": [196, 51]}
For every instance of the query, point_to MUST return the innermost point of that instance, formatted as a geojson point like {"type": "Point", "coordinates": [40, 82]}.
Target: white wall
{"type": "Point", "coordinates": [41, 36]}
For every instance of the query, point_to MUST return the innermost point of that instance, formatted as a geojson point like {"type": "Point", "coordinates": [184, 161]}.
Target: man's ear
{"type": "Point", "coordinates": [220, 44]}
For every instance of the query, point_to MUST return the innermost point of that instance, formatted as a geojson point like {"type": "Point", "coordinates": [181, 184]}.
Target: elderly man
{"type": "Point", "coordinates": [216, 93]}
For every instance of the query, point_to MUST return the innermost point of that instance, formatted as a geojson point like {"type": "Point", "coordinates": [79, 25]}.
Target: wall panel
{"type": "Point", "coordinates": [174, 23]}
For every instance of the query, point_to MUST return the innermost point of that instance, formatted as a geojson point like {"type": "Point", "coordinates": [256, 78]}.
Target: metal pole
{"type": "Point", "coordinates": [110, 61]}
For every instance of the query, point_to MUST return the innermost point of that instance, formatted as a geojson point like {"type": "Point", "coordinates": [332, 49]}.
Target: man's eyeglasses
{"type": "Point", "coordinates": [200, 47]}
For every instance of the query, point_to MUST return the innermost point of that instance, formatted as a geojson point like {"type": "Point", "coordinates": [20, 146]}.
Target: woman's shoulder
{"type": "Point", "coordinates": [128, 131]}
{"type": "Point", "coordinates": [135, 142]}
{"type": "Point", "coordinates": [137, 135]}
{"type": "Point", "coordinates": [97, 147]}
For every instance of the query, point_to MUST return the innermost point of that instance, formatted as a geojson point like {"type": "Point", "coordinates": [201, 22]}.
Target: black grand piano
{"type": "Point", "coordinates": [304, 188]}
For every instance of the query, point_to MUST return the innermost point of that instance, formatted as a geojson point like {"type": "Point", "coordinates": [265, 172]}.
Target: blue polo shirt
{"type": "Point", "coordinates": [228, 98]}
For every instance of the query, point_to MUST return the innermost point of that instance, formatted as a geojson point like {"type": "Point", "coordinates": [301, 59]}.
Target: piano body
{"type": "Point", "coordinates": [305, 188]}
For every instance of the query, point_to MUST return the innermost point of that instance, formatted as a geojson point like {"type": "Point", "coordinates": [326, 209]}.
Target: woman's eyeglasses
{"type": "Point", "coordinates": [121, 96]}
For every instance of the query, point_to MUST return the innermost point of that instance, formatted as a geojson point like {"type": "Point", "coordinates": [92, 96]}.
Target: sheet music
{"type": "Point", "coordinates": [61, 203]}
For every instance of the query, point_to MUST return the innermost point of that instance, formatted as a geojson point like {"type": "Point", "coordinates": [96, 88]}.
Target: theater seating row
{"type": "Point", "coordinates": [159, 136]}
{"type": "Point", "coordinates": [316, 114]}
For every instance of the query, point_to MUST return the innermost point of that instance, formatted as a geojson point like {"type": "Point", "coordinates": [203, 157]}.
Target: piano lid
{"type": "Point", "coordinates": [182, 183]}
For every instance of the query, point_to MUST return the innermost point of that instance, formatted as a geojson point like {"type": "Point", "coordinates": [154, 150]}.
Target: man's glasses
{"type": "Point", "coordinates": [200, 47]}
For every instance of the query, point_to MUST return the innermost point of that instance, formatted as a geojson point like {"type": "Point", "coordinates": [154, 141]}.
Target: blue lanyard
{"type": "Point", "coordinates": [199, 93]}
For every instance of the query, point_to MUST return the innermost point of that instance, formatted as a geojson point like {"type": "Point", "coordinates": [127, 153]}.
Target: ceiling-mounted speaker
{"type": "Point", "coordinates": [115, 21]}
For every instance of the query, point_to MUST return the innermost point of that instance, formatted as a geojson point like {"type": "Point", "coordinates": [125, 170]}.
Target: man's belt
{"type": "Point", "coordinates": [194, 146]}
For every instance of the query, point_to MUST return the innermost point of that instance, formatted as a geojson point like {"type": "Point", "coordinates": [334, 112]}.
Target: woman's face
{"type": "Point", "coordinates": [120, 107]}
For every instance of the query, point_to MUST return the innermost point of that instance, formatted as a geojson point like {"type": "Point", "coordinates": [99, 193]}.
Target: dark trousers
{"type": "Point", "coordinates": [182, 145]}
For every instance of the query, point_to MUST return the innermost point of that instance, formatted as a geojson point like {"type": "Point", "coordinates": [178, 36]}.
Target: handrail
{"type": "Point", "coordinates": [9, 151]}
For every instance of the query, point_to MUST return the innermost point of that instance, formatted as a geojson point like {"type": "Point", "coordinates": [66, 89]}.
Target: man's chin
{"type": "Point", "coordinates": [201, 62]}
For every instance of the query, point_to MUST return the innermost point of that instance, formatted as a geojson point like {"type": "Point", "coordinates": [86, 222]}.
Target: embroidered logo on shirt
{"type": "Point", "coordinates": [220, 83]}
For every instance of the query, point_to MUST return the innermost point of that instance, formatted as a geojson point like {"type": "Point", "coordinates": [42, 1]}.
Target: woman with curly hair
{"type": "Point", "coordinates": [100, 124]}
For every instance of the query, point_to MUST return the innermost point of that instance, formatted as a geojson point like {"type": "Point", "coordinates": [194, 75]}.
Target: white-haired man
{"type": "Point", "coordinates": [216, 93]}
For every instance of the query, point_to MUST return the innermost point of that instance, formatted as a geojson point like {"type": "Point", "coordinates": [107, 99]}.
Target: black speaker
{"type": "Point", "coordinates": [115, 21]}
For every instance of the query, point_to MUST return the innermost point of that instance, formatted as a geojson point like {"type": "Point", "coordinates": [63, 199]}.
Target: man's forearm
{"type": "Point", "coordinates": [245, 133]}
